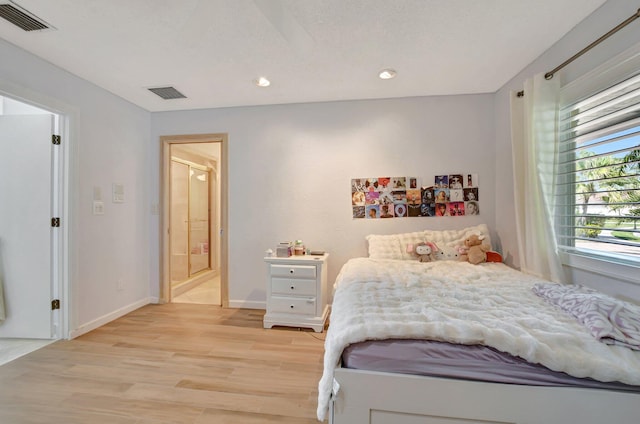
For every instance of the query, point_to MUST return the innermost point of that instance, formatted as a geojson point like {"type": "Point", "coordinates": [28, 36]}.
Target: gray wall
{"type": "Point", "coordinates": [290, 169]}
{"type": "Point", "coordinates": [108, 143]}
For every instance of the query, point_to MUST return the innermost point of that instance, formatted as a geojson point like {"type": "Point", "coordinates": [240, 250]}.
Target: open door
{"type": "Point", "coordinates": [26, 225]}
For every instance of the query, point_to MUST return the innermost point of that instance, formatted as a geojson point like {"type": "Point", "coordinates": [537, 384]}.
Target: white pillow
{"type": "Point", "coordinates": [395, 246]}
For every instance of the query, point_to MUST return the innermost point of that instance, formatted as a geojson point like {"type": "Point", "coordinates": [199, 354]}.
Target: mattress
{"type": "Point", "coordinates": [467, 362]}
{"type": "Point", "coordinates": [463, 304]}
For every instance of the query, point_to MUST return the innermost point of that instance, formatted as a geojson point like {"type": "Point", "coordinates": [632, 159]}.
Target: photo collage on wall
{"type": "Point", "coordinates": [400, 197]}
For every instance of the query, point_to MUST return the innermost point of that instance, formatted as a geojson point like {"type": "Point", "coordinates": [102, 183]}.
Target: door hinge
{"type": "Point", "coordinates": [55, 304]}
{"type": "Point", "coordinates": [55, 139]}
{"type": "Point", "coordinates": [55, 222]}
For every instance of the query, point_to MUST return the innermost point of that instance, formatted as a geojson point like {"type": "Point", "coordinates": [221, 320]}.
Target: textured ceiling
{"type": "Point", "coordinates": [311, 50]}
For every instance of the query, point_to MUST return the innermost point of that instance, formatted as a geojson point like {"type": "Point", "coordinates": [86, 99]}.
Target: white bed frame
{"type": "Point", "coordinates": [384, 398]}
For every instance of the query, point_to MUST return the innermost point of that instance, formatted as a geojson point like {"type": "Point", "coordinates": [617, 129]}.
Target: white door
{"type": "Point", "coordinates": [25, 225]}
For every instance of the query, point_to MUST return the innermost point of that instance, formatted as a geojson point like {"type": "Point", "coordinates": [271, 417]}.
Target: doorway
{"type": "Point", "coordinates": [32, 253]}
{"type": "Point", "coordinates": [194, 219]}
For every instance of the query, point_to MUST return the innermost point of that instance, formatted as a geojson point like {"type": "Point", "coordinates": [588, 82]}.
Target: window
{"type": "Point", "coordinates": [597, 210]}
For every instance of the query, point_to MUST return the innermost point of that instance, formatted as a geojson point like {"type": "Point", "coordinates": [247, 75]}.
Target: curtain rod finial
{"type": "Point", "coordinates": [548, 75]}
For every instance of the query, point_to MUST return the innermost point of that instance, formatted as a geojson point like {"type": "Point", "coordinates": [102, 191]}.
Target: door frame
{"type": "Point", "coordinates": [165, 275]}
{"type": "Point", "coordinates": [63, 177]}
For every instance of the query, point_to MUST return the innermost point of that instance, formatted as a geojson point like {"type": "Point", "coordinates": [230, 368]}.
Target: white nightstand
{"type": "Point", "coordinates": [297, 291]}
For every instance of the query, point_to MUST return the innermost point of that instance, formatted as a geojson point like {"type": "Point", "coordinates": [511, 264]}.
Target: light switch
{"type": "Point", "coordinates": [98, 207]}
{"type": "Point", "coordinates": [118, 193]}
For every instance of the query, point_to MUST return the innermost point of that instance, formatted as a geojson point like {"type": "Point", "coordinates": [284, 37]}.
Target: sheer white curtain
{"type": "Point", "coordinates": [533, 136]}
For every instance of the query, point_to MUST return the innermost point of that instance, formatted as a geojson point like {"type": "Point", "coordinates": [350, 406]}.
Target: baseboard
{"type": "Point", "coordinates": [105, 319]}
{"type": "Point", "coordinates": [245, 304]}
{"type": "Point", "coordinates": [187, 285]}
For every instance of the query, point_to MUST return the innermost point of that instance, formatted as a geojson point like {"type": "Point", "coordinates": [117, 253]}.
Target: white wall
{"type": "Point", "coordinates": [290, 168]}
{"type": "Point", "coordinates": [608, 16]}
{"type": "Point", "coordinates": [108, 143]}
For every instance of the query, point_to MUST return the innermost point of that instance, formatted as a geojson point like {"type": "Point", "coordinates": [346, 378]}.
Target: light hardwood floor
{"type": "Point", "coordinates": [172, 363]}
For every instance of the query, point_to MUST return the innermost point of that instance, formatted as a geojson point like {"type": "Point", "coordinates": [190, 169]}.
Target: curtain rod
{"type": "Point", "coordinates": [632, 18]}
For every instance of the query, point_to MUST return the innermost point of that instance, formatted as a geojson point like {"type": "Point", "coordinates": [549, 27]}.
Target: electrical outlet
{"type": "Point", "coordinates": [120, 284]}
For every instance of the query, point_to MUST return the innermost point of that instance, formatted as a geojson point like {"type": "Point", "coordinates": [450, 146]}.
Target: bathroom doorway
{"type": "Point", "coordinates": [194, 197]}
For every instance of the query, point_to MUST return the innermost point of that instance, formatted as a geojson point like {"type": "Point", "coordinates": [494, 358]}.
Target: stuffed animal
{"type": "Point", "coordinates": [476, 251]}
{"type": "Point", "coordinates": [425, 251]}
{"type": "Point", "coordinates": [447, 253]}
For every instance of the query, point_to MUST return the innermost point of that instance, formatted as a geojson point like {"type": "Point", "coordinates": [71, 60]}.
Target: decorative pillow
{"type": "Point", "coordinates": [396, 246]}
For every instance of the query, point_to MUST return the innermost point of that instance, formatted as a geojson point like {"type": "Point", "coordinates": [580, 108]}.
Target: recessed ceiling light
{"type": "Point", "coordinates": [387, 74]}
{"type": "Point", "coordinates": [262, 82]}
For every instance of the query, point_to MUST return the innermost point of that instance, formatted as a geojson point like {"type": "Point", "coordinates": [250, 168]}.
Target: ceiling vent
{"type": "Point", "coordinates": [21, 17]}
{"type": "Point", "coordinates": [168, 93]}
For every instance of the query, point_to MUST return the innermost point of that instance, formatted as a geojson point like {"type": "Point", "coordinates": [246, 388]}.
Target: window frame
{"type": "Point", "coordinates": [606, 75]}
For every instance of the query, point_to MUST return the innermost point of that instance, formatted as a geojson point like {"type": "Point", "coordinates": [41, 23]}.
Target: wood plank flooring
{"type": "Point", "coordinates": [173, 363]}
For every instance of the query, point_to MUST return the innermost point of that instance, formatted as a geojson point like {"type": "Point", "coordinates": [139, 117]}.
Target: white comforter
{"type": "Point", "coordinates": [489, 304]}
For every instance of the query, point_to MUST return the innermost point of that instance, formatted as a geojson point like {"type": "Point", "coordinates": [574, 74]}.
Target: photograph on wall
{"type": "Point", "coordinates": [456, 208]}
{"type": "Point", "coordinates": [399, 183]}
{"type": "Point", "coordinates": [400, 210]}
{"type": "Point", "coordinates": [358, 185]}
{"type": "Point", "coordinates": [386, 198]}
{"type": "Point", "coordinates": [471, 194]}
{"type": "Point", "coordinates": [414, 197]}
{"type": "Point", "coordinates": [414, 210]}
{"type": "Point", "coordinates": [455, 181]}
{"type": "Point", "coordinates": [472, 208]}
{"type": "Point", "coordinates": [399, 197]}
{"type": "Point", "coordinates": [372, 198]}
{"type": "Point", "coordinates": [384, 184]}
{"type": "Point", "coordinates": [386, 211]}
{"type": "Point", "coordinates": [372, 211]}
{"type": "Point", "coordinates": [441, 181]}
{"type": "Point", "coordinates": [456, 195]}
{"type": "Point", "coordinates": [358, 198]}
{"type": "Point", "coordinates": [441, 195]}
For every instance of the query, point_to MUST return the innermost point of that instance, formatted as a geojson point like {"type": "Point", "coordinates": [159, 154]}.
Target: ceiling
{"type": "Point", "coordinates": [310, 50]}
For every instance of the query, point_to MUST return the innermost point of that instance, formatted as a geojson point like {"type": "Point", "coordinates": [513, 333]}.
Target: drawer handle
{"type": "Point", "coordinates": [290, 271]}
{"type": "Point", "coordinates": [293, 287]}
{"type": "Point", "coordinates": [291, 306]}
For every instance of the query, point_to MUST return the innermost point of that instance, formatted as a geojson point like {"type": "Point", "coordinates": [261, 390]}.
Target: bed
{"type": "Point", "coordinates": [391, 298]}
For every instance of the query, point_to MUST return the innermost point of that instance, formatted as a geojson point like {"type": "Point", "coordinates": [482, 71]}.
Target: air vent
{"type": "Point", "coordinates": [21, 18]}
{"type": "Point", "coordinates": [168, 93]}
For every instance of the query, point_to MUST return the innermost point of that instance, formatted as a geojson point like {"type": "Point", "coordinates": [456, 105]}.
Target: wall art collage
{"type": "Point", "coordinates": [400, 197]}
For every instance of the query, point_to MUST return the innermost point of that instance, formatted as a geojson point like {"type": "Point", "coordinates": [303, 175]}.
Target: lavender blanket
{"type": "Point", "coordinates": [610, 320]}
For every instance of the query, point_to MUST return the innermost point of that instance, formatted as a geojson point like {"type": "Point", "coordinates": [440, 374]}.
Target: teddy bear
{"type": "Point", "coordinates": [425, 251]}
{"type": "Point", "coordinates": [474, 251]}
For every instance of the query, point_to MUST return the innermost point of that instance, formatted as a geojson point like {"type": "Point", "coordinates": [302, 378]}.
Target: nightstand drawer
{"type": "Point", "coordinates": [293, 286]}
{"type": "Point", "coordinates": [298, 271]}
{"type": "Point", "coordinates": [293, 305]}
